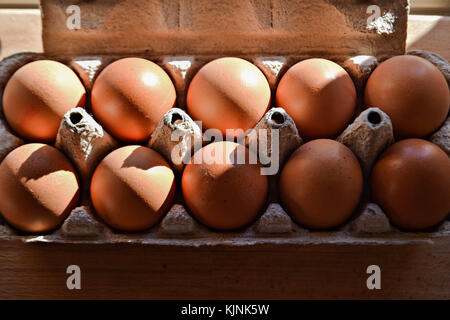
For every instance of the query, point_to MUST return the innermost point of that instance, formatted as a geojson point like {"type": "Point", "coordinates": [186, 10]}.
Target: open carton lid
{"type": "Point", "coordinates": [335, 29]}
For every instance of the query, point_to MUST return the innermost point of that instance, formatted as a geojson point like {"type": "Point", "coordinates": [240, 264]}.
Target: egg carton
{"type": "Point", "coordinates": [85, 143]}
{"type": "Point", "coordinates": [334, 28]}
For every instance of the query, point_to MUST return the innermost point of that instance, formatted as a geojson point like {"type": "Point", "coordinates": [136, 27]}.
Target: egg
{"type": "Point", "coordinates": [132, 188]}
{"type": "Point", "coordinates": [38, 188]}
{"type": "Point", "coordinates": [228, 93]}
{"type": "Point", "coordinates": [130, 96]}
{"type": "Point", "coordinates": [411, 183]}
{"type": "Point", "coordinates": [222, 189]}
{"type": "Point", "coordinates": [38, 95]}
{"type": "Point", "coordinates": [413, 93]}
{"type": "Point", "coordinates": [320, 97]}
{"type": "Point", "coordinates": [321, 184]}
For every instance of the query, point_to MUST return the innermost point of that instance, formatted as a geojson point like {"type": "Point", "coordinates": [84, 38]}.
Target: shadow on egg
{"type": "Point", "coordinates": [137, 159]}
{"type": "Point", "coordinates": [35, 166]}
{"type": "Point", "coordinates": [238, 156]}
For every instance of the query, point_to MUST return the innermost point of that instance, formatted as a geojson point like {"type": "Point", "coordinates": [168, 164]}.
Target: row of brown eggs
{"type": "Point", "coordinates": [131, 95]}
{"type": "Point", "coordinates": [133, 186]}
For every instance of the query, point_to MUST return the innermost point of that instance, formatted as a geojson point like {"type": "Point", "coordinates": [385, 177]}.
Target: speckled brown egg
{"type": "Point", "coordinates": [413, 92]}
{"type": "Point", "coordinates": [132, 188]}
{"type": "Point", "coordinates": [411, 182]}
{"type": "Point", "coordinates": [228, 93]}
{"type": "Point", "coordinates": [320, 97]}
{"type": "Point", "coordinates": [38, 95]}
{"type": "Point", "coordinates": [222, 189]}
{"type": "Point", "coordinates": [321, 184]}
{"type": "Point", "coordinates": [130, 97]}
{"type": "Point", "coordinates": [38, 188]}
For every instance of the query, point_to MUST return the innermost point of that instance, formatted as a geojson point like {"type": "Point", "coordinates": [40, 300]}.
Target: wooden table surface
{"type": "Point", "coordinates": [413, 271]}
{"type": "Point", "coordinates": [33, 270]}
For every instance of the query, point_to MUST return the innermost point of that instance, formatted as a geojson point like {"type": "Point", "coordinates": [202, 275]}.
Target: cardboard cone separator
{"type": "Point", "coordinates": [368, 135]}
{"type": "Point", "coordinates": [176, 137]}
{"type": "Point", "coordinates": [85, 142]}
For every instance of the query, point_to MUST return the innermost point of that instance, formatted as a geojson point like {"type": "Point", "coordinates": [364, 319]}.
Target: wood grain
{"type": "Point", "coordinates": [20, 30]}
{"type": "Point", "coordinates": [429, 33]}
{"type": "Point", "coordinates": [413, 271]}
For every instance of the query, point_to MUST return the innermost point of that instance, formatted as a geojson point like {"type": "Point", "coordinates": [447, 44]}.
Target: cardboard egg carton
{"type": "Point", "coordinates": [181, 36]}
{"type": "Point", "coordinates": [85, 143]}
{"type": "Point", "coordinates": [231, 27]}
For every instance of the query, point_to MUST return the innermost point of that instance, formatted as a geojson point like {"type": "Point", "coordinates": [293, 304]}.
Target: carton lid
{"type": "Point", "coordinates": [225, 27]}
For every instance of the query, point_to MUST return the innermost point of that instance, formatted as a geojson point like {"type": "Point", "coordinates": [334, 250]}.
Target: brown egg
{"type": "Point", "coordinates": [412, 91]}
{"type": "Point", "coordinates": [38, 188]}
{"type": "Point", "coordinates": [221, 191]}
{"type": "Point", "coordinates": [132, 188]}
{"type": "Point", "coordinates": [411, 182]}
{"type": "Point", "coordinates": [321, 184]}
{"type": "Point", "coordinates": [38, 95]}
{"type": "Point", "coordinates": [320, 97]}
{"type": "Point", "coordinates": [228, 93]}
{"type": "Point", "coordinates": [130, 97]}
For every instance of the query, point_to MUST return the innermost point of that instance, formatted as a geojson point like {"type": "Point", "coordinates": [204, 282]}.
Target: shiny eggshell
{"type": "Point", "coordinates": [413, 92]}
{"type": "Point", "coordinates": [130, 96]}
{"type": "Point", "coordinates": [321, 184]}
{"type": "Point", "coordinates": [132, 188]}
{"type": "Point", "coordinates": [221, 193]}
{"type": "Point", "coordinates": [38, 188]}
{"type": "Point", "coordinates": [228, 93]}
{"type": "Point", "coordinates": [320, 97]}
{"type": "Point", "coordinates": [38, 95]}
{"type": "Point", "coordinates": [411, 183]}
